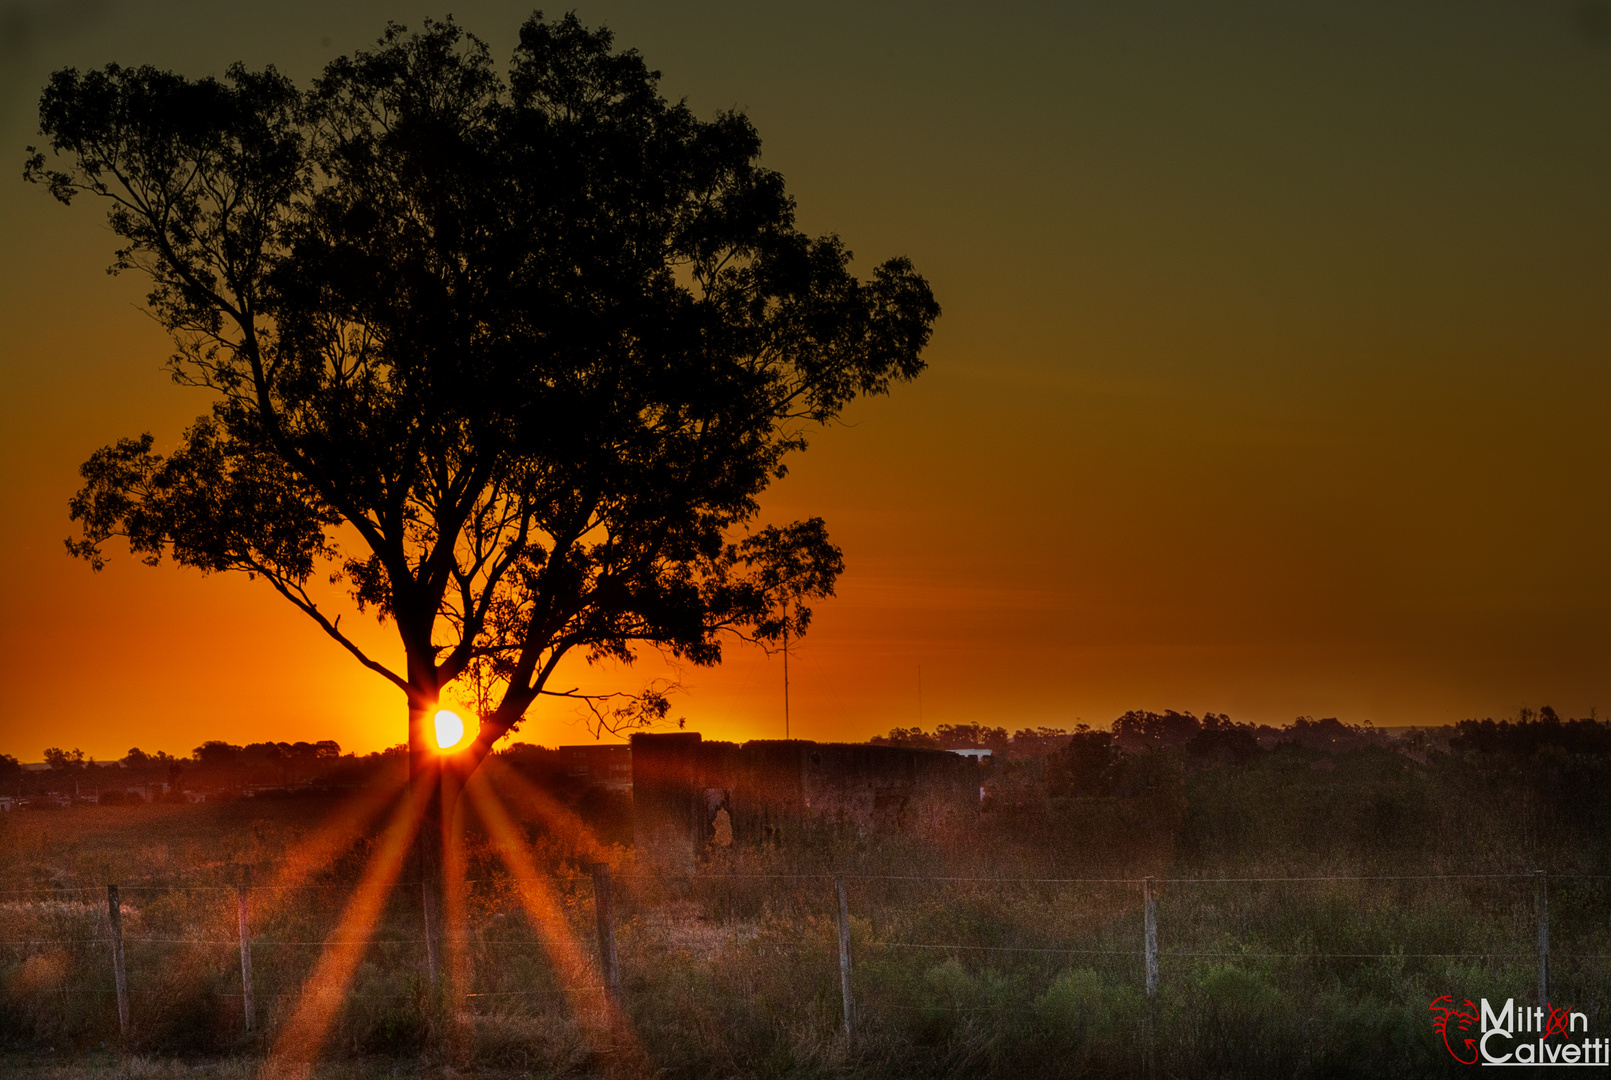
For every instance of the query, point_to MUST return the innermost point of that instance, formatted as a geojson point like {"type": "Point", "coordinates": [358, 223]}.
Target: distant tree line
{"type": "Point", "coordinates": [1140, 751]}
{"type": "Point", "coordinates": [975, 737]}
{"type": "Point", "coordinates": [1143, 751]}
{"type": "Point", "coordinates": [214, 765]}
{"type": "Point", "coordinates": [1532, 732]}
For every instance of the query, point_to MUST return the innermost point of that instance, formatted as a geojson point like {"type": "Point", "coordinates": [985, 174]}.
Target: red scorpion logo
{"type": "Point", "coordinates": [1464, 1017]}
{"type": "Point", "coordinates": [1556, 1021]}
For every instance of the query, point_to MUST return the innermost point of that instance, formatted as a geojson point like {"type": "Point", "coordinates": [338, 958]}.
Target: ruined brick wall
{"type": "Point", "coordinates": [772, 787]}
{"type": "Point", "coordinates": [887, 788]}
{"type": "Point", "coordinates": [665, 815]}
{"type": "Point", "coordinates": [607, 765]}
{"type": "Point", "coordinates": [768, 791]}
{"type": "Point", "coordinates": [679, 781]}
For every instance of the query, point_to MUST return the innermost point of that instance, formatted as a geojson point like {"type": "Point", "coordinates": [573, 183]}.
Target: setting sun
{"type": "Point", "coordinates": [449, 729]}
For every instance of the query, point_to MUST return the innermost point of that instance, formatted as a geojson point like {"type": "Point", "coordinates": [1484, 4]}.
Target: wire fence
{"type": "Point", "coordinates": [859, 928]}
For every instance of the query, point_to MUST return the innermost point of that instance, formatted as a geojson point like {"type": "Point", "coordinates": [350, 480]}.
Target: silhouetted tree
{"type": "Point", "coordinates": [948, 737]}
{"type": "Point", "coordinates": [914, 737]}
{"type": "Point", "coordinates": [532, 346]}
{"type": "Point", "coordinates": [1138, 729]}
{"type": "Point", "coordinates": [1329, 734]}
{"type": "Point", "coordinates": [60, 760]}
{"type": "Point", "coordinates": [1088, 764]}
{"type": "Point", "coordinates": [972, 737]}
{"type": "Point", "coordinates": [1222, 739]}
{"type": "Point", "coordinates": [1028, 742]}
{"type": "Point", "coordinates": [215, 753]}
{"type": "Point", "coordinates": [1531, 733]}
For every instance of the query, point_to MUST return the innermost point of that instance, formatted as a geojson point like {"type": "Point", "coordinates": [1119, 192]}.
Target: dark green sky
{"type": "Point", "coordinates": [1271, 378]}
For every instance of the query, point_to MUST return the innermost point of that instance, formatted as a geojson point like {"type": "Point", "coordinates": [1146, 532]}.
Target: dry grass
{"type": "Point", "coordinates": [104, 1066]}
{"type": "Point", "coordinates": [735, 973]}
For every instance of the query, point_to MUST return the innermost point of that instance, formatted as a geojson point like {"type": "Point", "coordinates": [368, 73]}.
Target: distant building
{"type": "Point", "coordinates": [977, 753]}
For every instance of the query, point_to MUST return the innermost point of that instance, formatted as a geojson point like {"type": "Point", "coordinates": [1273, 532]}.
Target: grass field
{"type": "Point", "coordinates": [1010, 946]}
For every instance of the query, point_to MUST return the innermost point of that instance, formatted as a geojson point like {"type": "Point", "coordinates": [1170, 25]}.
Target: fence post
{"type": "Point", "coordinates": [114, 913]}
{"type": "Point", "coordinates": [428, 906]}
{"type": "Point", "coordinates": [844, 956]}
{"type": "Point", "coordinates": [604, 911]}
{"type": "Point", "coordinates": [242, 915]}
{"type": "Point", "coordinates": [1543, 936]}
{"type": "Point", "coordinates": [1151, 938]}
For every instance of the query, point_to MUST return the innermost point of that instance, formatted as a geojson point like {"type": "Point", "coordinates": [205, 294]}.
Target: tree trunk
{"type": "Point", "coordinates": [423, 771]}
{"type": "Point", "coordinates": [436, 780]}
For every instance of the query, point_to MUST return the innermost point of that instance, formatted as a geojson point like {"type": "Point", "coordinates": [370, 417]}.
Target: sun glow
{"type": "Point", "coordinates": [324, 993]}
{"type": "Point", "coordinates": [546, 914]}
{"type": "Point", "coordinates": [301, 1040]}
{"type": "Point", "coordinates": [449, 729]}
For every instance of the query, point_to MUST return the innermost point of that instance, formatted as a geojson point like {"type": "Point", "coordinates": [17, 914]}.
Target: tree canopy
{"type": "Point", "coordinates": [510, 357]}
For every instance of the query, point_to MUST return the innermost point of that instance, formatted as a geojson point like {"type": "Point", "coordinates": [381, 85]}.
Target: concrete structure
{"type": "Point", "coordinates": [606, 765]}
{"type": "Point", "coordinates": [771, 788]}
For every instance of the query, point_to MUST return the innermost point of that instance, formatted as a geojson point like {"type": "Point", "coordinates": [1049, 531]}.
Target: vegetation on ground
{"type": "Point", "coordinates": [1311, 903]}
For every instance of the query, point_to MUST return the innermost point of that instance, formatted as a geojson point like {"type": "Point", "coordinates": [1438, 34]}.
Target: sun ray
{"type": "Point", "coordinates": [527, 796]}
{"type": "Point", "coordinates": [455, 902]}
{"type": "Point", "coordinates": [545, 912]}
{"type": "Point", "coordinates": [314, 852]}
{"type": "Point", "coordinates": [547, 917]}
{"type": "Point", "coordinates": [321, 996]}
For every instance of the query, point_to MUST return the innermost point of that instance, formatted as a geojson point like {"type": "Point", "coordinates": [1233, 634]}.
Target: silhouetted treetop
{"type": "Point", "coordinates": [1138, 728]}
{"type": "Point", "coordinates": [512, 357]}
{"type": "Point", "coordinates": [1531, 732]}
{"type": "Point", "coordinates": [948, 737]}
{"type": "Point", "coordinates": [60, 760]}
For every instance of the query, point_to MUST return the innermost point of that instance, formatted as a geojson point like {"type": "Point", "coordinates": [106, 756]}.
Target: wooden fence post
{"type": "Point", "coordinates": [114, 913]}
{"type": "Point", "coordinates": [242, 915]}
{"type": "Point", "coordinates": [604, 911]}
{"type": "Point", "coordinates": [428, 907]}
{"type": "Point", "coordinates": [844, 956]}
{"type": "Point", "coordinates": [1151, 938]}
{"type": "Point", "coordinates": [1543, 937]}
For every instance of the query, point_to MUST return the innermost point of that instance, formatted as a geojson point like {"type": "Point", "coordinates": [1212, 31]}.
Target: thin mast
{"type": "Point", "coordinates": [785, 670]}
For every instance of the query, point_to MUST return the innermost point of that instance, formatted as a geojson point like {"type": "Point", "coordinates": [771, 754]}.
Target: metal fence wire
{"type": "Point", "coordinates": [124, 939]}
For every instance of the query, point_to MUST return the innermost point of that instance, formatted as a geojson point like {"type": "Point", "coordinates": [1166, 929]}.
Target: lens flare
{"type": "Point", "coordinates": [455, 898]}
{"type": "Point", "coordinates": [317, 851]}
{"type": "Point", "coordinates": [547, 916]}
{"type": "Point", "coordinates": [324, 993]}
{"type": "Point", "coordinates": [449, 729]}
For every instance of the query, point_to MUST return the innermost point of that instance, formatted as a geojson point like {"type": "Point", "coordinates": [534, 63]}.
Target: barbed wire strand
{"type": "Point", "coordinates": [850, 876]}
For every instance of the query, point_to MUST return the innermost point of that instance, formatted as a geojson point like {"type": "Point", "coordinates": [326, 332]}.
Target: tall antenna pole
{"type": "Point", "coordinates": [785, 669]}
{"type": "Point", "coordinates": [920, 696]}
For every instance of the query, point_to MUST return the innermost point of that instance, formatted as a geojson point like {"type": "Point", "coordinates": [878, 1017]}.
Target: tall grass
{"type": "Point", "coordinates": [1006, 945]}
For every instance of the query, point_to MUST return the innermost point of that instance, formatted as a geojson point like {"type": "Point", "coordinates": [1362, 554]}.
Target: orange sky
{"type": "Point", "coordinates": [1271, 377]}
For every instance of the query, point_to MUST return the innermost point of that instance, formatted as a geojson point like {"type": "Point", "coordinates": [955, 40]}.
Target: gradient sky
{"type": "Point", "coordinates": [1271, 379]}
